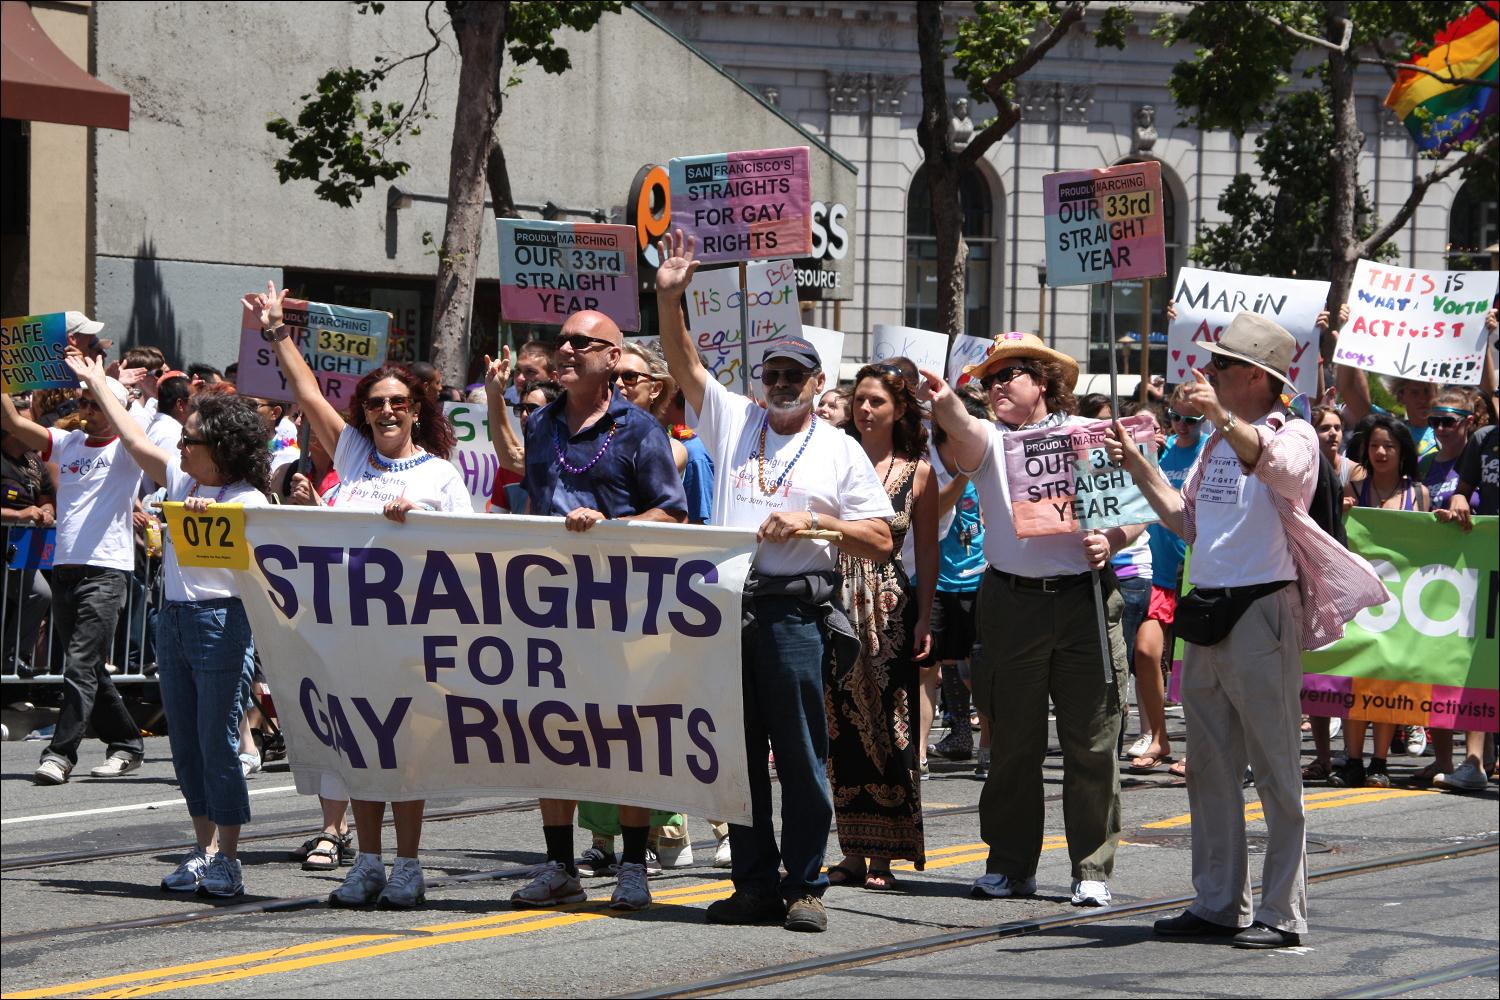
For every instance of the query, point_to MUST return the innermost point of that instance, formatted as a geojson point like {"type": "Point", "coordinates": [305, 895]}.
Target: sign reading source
{"type": "Point", "coordinates": [1104, 225]}
{"type": "Point", "coordinates": [550, 270]}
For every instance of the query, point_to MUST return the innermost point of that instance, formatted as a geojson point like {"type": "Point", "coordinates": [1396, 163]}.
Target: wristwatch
{"type": "Point", "coordinates": [275, 333]}
{"type": "Point", "coordinates": [1226, 425]}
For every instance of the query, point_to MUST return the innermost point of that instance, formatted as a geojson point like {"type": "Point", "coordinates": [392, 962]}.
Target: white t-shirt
{"type": "Point", "coordinates": [96, 485]}
{"type": "Point", "coordinates": [832, 476]}
{"type": "Point", "coordinates": [1240, 538]}
{"type": "Point", "coordinates": [1048, 555]}
{"type": "Point", "coordinates": [196, 583]}
{"type": "Point", "coordinates": [369, 482]}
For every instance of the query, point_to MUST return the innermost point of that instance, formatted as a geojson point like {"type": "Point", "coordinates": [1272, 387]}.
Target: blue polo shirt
{"type": "Point", "coordinates": [635, 472]}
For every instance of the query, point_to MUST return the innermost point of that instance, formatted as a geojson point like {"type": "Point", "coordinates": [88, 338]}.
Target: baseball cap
{"type": "Point", "coordinates": [795, 349]}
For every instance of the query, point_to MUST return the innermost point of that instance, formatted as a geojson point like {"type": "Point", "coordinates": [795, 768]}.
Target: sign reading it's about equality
{"type": "Point", "coordinates": [550, 270]}
{"type": "Point", "coordinates": [1416, 323]}
{"type": "Point", "coordinates": [1104, 225]}
{"type": "Point", "coordinates": [341, 344]}
{"type": "Point", "coordinates": [744, 206]}
{"type": "Point", "coordinates": [1061, 480]}
{"type": "Point", "coordinates": [714, 314]}
{"type": "Point", "coordinates": [32, 349]}
{"type": "Point", "coordinates": [1208, 301]}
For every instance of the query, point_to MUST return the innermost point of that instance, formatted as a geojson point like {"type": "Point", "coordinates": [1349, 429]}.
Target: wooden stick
{"type": "Point", "coordinates": [820, 534]}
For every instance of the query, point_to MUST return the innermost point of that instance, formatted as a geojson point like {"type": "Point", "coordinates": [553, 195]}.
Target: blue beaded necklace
{"type": "Point", "coordinates": [380, 463]}
{"type": "Point", "coordinates": [760, 457]}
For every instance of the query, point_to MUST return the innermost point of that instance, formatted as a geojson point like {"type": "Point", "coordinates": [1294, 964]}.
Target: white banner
{"type": "Point", "coordinates": [474, 455]}
{"type": "Point", "coordinates": [830, 348]}
{"type": "Point", "coordinates": [966, 350]}
{"type": "Point", "coordinates": [714, 315]}
{"type": "Point", "coordinates": [1415, 323]}
{"type": "Point", "coordinates": [925, 348]}
{"type": "Point", "coordinates": [1208, 301]}
{"type": "Point", "coordinates": [484, 655]}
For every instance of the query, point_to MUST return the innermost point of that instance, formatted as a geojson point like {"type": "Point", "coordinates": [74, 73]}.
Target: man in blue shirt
{"type": "Point", "coordinates": [591, 456]}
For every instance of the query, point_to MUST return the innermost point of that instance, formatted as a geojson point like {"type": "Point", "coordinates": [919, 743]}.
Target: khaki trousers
{"type": "Point", "coordinates": [1242, 698]}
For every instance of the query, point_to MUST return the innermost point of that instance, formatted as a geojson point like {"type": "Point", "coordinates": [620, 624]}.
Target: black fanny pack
{"type": "Point", "coordinates": [1206, 617]}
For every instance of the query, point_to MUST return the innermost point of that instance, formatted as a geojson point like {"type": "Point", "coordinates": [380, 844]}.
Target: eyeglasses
{"type": "Point", "coordinates": [791, 376]}
{"type": "Point", "coordinates": [154, 372]}
{"type": "Point", "coordinates": [184, 441]}
{"type": "Point", "coordinates": [580, 342]}
{"type": "Point", "coordinates": [398, 404]}
{"type": "Point", "coordinates": [1445, 420]}
{"type": "Point", "coordinates": [1174, 415]}
{"type": "Point", "coordinates": [1223, 363]}
{"type": "Point", "coordinates": [1005, 374]}
{"type": "Point", "coordinates": [525, 409]}
{"type": "Point", "coordinates": [90, 404]}
{"type": "Point", "coordinates": [630, 379]}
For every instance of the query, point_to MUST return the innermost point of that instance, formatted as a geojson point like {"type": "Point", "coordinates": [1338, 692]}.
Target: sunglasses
{"type": "Point", "coordinates": [1223, 364]}
{"type": "Point", "coordinates": [580, 342]}
{"type": "Point", "coordinates": [1174, 415]}
{"type": "Point", "coordinates": [525, 409]}
{"type": "Point", "coordinates": [1445, 420]}
{"type": "Point", "coordinates": [398, 404]}
{"type": "Point", "coordinates": [90, 404]}
{"type": "Point", "coordinates": [631, 379]}
{"type": "Point", "coordinates": [791, 376]}
{"type": "Point", "coordinates": [184, 441]}
{"type": "Point", "coordinates": [1005, 374]}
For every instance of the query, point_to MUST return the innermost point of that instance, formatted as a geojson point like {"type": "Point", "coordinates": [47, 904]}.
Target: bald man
{"type": "Point", "coordinates": [591, 455]}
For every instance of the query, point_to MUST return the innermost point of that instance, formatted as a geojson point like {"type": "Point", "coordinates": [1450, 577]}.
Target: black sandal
{"type": "Point", "coordinates": [340, 851]}
{"type": "Point", "coordinates": [840, 875]}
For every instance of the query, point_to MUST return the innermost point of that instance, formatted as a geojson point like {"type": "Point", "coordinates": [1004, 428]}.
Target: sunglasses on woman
{"type": "Point", "coordinates": [1174, 415]}
{"type": "Point", "coordinates": [398, 404]}
{"type": "Point", "coordinates": [1443, 421]}
{"type": "Point", "coordinates": [1005, 374]}
{"type": "Point", "coordinates": [631, 379]}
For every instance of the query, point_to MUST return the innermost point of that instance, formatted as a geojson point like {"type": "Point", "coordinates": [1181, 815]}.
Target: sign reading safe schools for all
{"type": "Point", "coordinates": [550, 270]}
{"type": "Point", "coordinates": [31, 353]}
{"type": "Point", "coordinates": [744, 206]}
{"type": "Point", "coordinates": [1416, 323]}
{"type": "Point", "coordinates": [341, 345]}
{"type": "Point", "coordinates": [1104, 225]}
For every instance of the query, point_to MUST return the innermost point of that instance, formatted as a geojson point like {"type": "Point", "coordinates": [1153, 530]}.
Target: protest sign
{"type": "Point", "coordinates": [30, 548]}
{"type": "Point", "coordinates": [340, 344]}
{"type": "Point", "coordinates": [474, 452]}
{"type": "Point", "coordinates": [1104, 225]}
{"type": "Point", "coordinates": [830, 347]}
{"type": "Point", "coordinates": [1417, 323]}
{"type": "Point", "coordinates": [550, 270]}
{"type": "Point", "coordinates": [714, 314]}
{"type": "Point", "coordinates": [966, 350]}
{"type": "Point", "coordinates": [504, 655]}
{"type": "Point", "coordinates": [32, 349]}
{"type": "Point", "coordinates": [1428, 656]}
{"type": "Point", "coordinates": [925, 348]}
{"type": "Point", "coordinates": [744, 206]}
{"type": "Point", "coordinates": [1060, 478]}
{"type": "Point", "coordinates": [1207, 301]}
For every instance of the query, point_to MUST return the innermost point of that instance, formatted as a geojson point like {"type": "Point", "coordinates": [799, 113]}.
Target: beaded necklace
{"type": "Point", "coordinates": [223, 491]}
{"type": "Point", "coordinates": [760, 457]}
{"type": "Point", "coordinates": [382, 464]}
{"type": "Point", "coordinates": [562, 458]}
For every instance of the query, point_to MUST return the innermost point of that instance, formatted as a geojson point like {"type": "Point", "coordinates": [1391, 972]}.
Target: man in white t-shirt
{"type": "Point", "coordinates": [781, 471]}
{"type": "Point", "coordinates": [94, 556]}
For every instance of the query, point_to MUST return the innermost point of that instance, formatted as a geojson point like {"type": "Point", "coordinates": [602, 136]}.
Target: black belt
{"type": "Point", "coordinates": [1254, 592]}
{"type": "Point", "coordinates": [1045, 584]}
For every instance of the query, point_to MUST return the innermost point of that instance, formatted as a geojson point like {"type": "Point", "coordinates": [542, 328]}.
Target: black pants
{"type": "Point", "coordinates": [86, 603]}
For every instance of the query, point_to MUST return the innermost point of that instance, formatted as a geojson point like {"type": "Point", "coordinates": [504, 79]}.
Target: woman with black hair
{"type": "Point", "coordinates": [205, 653]}
{"type": "Point", "coordinates": [389, 456]}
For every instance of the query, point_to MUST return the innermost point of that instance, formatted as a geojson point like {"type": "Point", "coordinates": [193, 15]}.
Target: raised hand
{"type": "Point", "coordinates": [267, 307]}
{"type": "Point", "coordinates": [1202, 397]}
{"type": "Point", "coordinates": [130, 377]}
{"type": "Point", "coordinates": [677, 263]}
{"type": "Point", "coordinates": [931, 388]}
{"type": "Point", "coordinates": [497, 371]}
{"type": "Point", "coordinates": [87, 369]}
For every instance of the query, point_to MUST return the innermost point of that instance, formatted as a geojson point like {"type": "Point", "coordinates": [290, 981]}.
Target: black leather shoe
{"type": "Point", "coordinates": [1189, 924]}
{"type": "Point", "coordinates": [1259, 935]}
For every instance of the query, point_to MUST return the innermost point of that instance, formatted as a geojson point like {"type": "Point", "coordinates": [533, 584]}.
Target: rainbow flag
{"type": "Point", "coordinates": [1440, 115]}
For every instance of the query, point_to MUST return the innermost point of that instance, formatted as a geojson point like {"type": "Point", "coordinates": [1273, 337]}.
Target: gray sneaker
{"type": "Point", "coordinates": [222, 878]}
{"type": "Point", "coordinates": [632, 891]}
{"type": "Point", "coordinates": [186, 876]}
{"type": "Point", "coordinates": [550, 886]}
{"type": "Point", "coordinates": [51, 771]}
{"type": "Point", "coordinates": [1466, 778]}
{"type": "Point", "coordinates": [118, 763]}
{"type": "Point", "coordinates": [406, 888]}
{"type": "Point", "coordinates": [362, 886]}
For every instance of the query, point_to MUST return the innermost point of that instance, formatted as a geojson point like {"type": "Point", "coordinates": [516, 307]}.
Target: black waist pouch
{"type": "Point", "coordinates": [1206, 617]}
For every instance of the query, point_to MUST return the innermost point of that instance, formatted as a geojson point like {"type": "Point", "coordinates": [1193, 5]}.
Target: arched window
{"type": "Point", "coordinates": [1471, 228]}
{"type": "Point", "coordinates": [1128, 303]}
{"type": "Point", "coordinates": [921, 253]}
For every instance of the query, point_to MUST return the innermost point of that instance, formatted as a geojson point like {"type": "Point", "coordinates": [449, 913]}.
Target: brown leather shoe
{"type": "Point", "coordinates": [806, 914]}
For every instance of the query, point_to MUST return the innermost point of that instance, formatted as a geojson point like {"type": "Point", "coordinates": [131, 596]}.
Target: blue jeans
{"type": "Point", "coordinates": [205, 660]}
{"type": "Point", "coordinates": [782, 663]}
{"type": "Point", "coordinates": [1136, 591]}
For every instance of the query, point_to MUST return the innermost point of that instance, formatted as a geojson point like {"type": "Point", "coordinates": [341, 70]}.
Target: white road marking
{"type": "Point", "coordinates": [159, 804]}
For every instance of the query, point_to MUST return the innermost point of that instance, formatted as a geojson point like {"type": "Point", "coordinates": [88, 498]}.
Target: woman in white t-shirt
{"type": "Point", "coordinates": [391, 456]}
{"type": "Point", "coordinates": [205, 653]}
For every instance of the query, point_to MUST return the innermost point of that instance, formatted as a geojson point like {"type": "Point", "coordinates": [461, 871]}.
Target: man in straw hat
{"type": "Point", "coordinates": [1039, 635]}
{"type": "Point", "coordinates": [1269, 583]}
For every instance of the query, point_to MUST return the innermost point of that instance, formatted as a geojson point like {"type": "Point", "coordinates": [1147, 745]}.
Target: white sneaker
{"type": "Point", "coordinates": [186, 876]}
{"type": "Point", "coordinates": [550, 886]}
{"type": "Point", "coordinates": [118, 763]}
{"type": "Point", "coordinates": [406, 887]}
{"type": "Point", "coordinates": [679, 856]}
{"type": "Point", "coordinates": [1416, 741]}
{"type": "Point", "coordinates": [362, 886]}
{"type": "Point", "coordinates": [1001, 887]}
{"type": "Point", "coordinates": [722, 856]}
{"type": "Point", "coordinates": [222, 878]}
{"type": "Point", "coordinates": [633, 890]}
{"type": "Point", "coordinates": [1139, 747]}
{"type": "Point", "coordinates": [249, 763]}
{"type": "Point", "coordinates": [1466, 778]}
{"type": "Point", "coordinates": [51, 771]}
{"type": "Point", "coordinates": [1335, 726]}
{"type": "Point", "coordinates": [1087, 892]}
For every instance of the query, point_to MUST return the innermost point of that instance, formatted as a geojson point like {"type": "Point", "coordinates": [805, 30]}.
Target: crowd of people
{"type": "Point", "coordinates": [889, 590]}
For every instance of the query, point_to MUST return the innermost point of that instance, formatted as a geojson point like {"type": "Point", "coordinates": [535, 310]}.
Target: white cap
{"type": "Point", "coordinates": [78, 323]}
{"type": "Point", "coordinates": [119, 391]}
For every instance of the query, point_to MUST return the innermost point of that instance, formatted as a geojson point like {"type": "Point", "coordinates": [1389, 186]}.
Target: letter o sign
{"type": "Point", "coordinates": [649, 210]}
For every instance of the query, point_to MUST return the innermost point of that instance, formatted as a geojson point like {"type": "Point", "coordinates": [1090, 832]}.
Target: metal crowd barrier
{"type": "Point", "coordinates": [38, 659]}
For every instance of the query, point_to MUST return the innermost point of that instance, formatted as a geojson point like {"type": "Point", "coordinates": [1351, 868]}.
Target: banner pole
{"type": "Point", "coordinates": [744, 332]}
{"type": "Point", "coordinates": [1109, 335]}
{"type": "Point", "coordinates": [1109, 662]}
{"type": "Point", "coordinates": [1145, 336]}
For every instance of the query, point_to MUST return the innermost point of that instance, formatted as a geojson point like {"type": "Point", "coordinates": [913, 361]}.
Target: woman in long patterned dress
{"type": "Point", "coordinates": [872, 734]}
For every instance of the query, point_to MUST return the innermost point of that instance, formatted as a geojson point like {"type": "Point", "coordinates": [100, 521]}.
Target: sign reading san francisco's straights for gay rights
{"type": "Point", "coordinates": [744, 206]}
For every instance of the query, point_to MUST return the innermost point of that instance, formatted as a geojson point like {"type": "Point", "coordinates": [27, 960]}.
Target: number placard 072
{"type": "Point", "coordinates": [212, 539]}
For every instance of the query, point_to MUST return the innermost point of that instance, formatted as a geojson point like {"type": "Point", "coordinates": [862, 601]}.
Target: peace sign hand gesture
{"type": "Point", "coordinates": [267, 307]}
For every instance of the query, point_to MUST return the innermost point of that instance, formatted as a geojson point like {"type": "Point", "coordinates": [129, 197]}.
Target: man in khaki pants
{"type": "Point", "coordinates": [1259, 554]}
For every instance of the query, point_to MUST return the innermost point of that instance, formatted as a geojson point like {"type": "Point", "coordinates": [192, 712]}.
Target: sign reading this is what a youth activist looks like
{"type": "Point", "coordinates": [751, 205]}
{"type": "Point", "coordinates": [550, 270]}
{"type": "Point", "coordinates": [341, 344]}
{"type": "Point", "coordinates": [1061, 479]}
{"type": "Point", "coordinates": [1104, 225]}
{"type": "Point", "coordinates": [32, 349]}
{"type": "Point", "coordinates": [1418, 324]}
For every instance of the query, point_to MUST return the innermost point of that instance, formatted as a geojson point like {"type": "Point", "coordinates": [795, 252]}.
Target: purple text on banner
{"type": "Point", "coordinates": [550, 270]}
{"type": "Point", "coordinates": [744, 206]}
{"type": "Point", "coordinates": [1104, 225]}
{"type": "Point", "coordinates": [31, 353]}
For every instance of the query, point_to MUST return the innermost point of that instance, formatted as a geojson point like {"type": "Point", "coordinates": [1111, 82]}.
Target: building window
{"type": "Point", "coordinates": [1471, 229]}
{"type": "Point", "coordinates": [1128, 304]}
{"type": "Point", "coordinates": [921, 253]}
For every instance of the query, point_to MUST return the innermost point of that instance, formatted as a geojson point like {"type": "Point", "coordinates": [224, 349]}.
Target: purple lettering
{"type": "Point", "coordinates": [690, 598]}
{"type": "Point", "coordinates": [656, 568]}
{"type": "Point", "coordinates": [440, 569]}
{"type": "Point", "coordinates": [316, 720]}
{"type": "Point", "coordinates": [627, 732]}
{"type": "Point", "coordinates": [343, 737]}
{"type": "Point", "coordinates": [384, 730]}
{"type": "Point", "coordinates": [536, 666]}
{"type": "Point", "coordinates": [489, 587]}
{"type": "Point", "coordinates": [321, 557]}
{"type": "Point", "coordinates": [282, 593]}
{"type": "Point", "coordinates": [611, 589]}
{"type": "Point", "coordinates": [432, 660]}
{"type": "Point", "coordinates": [700, 723]}
{"type": "Point", "coordinates": [460, 730]}
{"type": "Point", "coordinates": [662, 715]}
{"type": "Point", "coordinates": [362, 591]}
{"type": "Point", "coordinates": [555, 599]}
{"type": "Point", "coordinates": [476, 665]}
{"type": "Point", "coordinates": [517, 731]}
{"type": "Point", "coordinates": [579, 752]}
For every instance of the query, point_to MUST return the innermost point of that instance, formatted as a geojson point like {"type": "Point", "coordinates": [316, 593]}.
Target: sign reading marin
{"type": "Point", "coordinates": [1104, 225]}
{"type": "Point", "coordinates": [550, 270]}
{"type": "Point", "coordinates": [341, 345]}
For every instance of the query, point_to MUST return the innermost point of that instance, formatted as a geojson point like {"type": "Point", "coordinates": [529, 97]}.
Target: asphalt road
{"type": "Point", "coordinates": [1417, 930]}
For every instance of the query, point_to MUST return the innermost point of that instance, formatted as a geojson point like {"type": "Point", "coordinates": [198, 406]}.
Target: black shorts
{"type": "Point", "coordinates": [953, 629]}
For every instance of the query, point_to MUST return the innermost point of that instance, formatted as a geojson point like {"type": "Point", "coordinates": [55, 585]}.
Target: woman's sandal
{"type": "Point", "coordinates": [1179, 768]}
{"type": "Point", "coordinates": [328, 852]}
{"type": "Point", "coordinates": [1318, 770]}
{"type": "Point", "coordinates": [841, 875]}
{"type": "Point", "coordinates": [881, 881]}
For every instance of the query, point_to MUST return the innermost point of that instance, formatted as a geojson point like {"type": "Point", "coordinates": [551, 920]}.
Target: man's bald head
{"type": "Point", "coordinates": [592, 323]}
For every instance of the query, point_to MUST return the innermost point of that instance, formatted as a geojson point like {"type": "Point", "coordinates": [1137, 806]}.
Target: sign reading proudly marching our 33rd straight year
{"type": "Point", "coordinates": [31, 353]}
{"type": "Point", "coordinates": [341, 345]}
{"type": "Point", "coordinates": [744, 206]}
{"type": "Point", "coordinates": [1417, 323]}
{"type": "Point", "coordinates": [1061, 479]}
{"type": "Point", "coordinates": [550, 270]}
{"type": "Point", "coordinates": [1104, 225]}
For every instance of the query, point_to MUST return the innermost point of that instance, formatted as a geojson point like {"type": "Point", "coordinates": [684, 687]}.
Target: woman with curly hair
{"type": "Point", "coordinates": [872, 708]}
{"type": "Point", "coordinates": [205, 653]}
{"type": "Point", "coordinates": [390, 457]}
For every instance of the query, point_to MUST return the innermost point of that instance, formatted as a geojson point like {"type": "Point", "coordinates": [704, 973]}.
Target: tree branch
{"type": "Point", "coordinates": [1392, 67]}
{"type": "Point", "coordinates": [418, 104]}
{"type": "Point", "coordinates": [1009, 113]}
{"type": "Point", "coordinates": [1418, 192]}
{"type": "Point", "coordinates": [1070, 16]}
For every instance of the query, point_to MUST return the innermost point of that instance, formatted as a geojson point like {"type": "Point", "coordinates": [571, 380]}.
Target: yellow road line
{"type": "Point", "coordinates": [1311, 801]}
